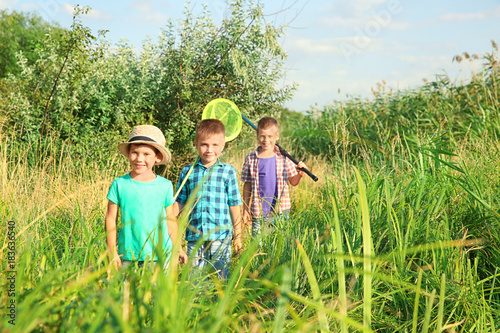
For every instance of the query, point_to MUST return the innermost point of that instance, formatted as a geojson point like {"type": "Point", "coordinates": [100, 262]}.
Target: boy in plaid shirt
{"type": "Point", "coordinates": [266, 174]}
{"type": "Point", "coordinates": [215, 216]}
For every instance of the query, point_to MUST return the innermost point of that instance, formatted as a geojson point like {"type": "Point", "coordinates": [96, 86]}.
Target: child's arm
{"type": "Point", "coordinates": [295, 180]}
{"type": "Point", "coordinates": [235, 212]}
{"type": "Point", "coordinates": [247, 195]}
{"type": "Point", "coordinates": [173, 230]}
{"type": "Point", "coordinates": [177, 208]}
{"type": "Point", "coordinates": [111, 218]}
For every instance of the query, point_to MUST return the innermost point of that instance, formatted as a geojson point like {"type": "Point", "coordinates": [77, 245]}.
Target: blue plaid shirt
{"type": "Point", "coordinates": [210, 217]}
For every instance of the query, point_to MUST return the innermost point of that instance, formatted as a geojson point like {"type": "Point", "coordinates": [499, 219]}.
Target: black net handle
{"type": "Point", "coordinates": [284, 152]}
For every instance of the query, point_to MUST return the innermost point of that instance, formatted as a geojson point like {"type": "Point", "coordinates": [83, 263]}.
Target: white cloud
{"type": "Point", "coordinates": [99, 15]}
{"type": "Point", "coordinates": [360, 15]}
{"type": "Point", "coordinates": [399, 26]}
{"type": "Point", "coordinates": [352, 7]}
{"type": "Point", "coordinates": [68, 9]}
{"type": "Point", "coordinates": [377, 22]}
{"type": "Point", "coordinates": [340, 72]}
{"type": "Point", "coordinates": [337, 85]}
{"type": "Point", "coordinates": [460, 17]}
{"type": "Point", "coordinates": [429, 60]}
{"type": "Point", "coordinates": [92, 14]}
{"type": "Point", "coordinates": [408, 72]}
{"type": "Point", "coordinates": [400, 46]}
{"type": "Point", "coordinates": [427, 68]}
{"type": "Point", "coordinates": [450, 17]}
{"type": "Point", "coordinates": [328, 47]}
{"type": "Point", "coordinates": [142, 6]}
{"type": "Point", "coordinates": [311, 46]}
{"type": "Point", "coordinates": [146, 12]}
{"type": "Point", "coordinates": [433, 64]}
{"type": "Point", "coordinates": [339, 21]}
{"type": "Point", "coordinates": [7, 4]}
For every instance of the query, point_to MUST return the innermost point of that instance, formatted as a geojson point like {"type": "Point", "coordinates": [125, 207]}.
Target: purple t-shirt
{"type": "Point", "coordinates": [267, 183]}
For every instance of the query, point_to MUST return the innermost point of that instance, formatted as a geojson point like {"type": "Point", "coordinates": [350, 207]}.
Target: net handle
{"type": "Point", "coordinates": [284, 152]}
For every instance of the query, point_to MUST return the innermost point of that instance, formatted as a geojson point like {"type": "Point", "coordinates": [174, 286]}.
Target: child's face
{"type": "Point", "coordinates": [209, 148]}
{"type": "Point", "coordinates": [267, 137]}
{"type": "Point", "coordinates": [142, 158]}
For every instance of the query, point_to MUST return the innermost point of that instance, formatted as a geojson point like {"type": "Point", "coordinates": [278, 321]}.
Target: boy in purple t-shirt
{"type": "Point", "coordinates": [266, 174]}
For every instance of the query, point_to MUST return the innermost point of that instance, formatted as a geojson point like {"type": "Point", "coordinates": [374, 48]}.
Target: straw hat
{"type": "Point", "coordinates": [150, 135]}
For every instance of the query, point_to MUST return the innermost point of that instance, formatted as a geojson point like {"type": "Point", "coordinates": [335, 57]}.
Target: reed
{"type": "Point", "coordinates": [398, 239]}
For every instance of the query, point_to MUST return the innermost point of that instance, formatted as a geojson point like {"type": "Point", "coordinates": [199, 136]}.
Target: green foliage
{"type": "Point", "coordinates": [22, 32]}
{"type": "Point", "coordinates": [80, 88]}
{"type": "Point", "coordinates": [429, 268]}
{"type": "Point", "coordinates": [439, 113]}
{"type": "Point", "coordinates": [198, 61]}
{"type": "Point", "coordinates": [47, 95]}
{"type": "Point", "coordinates": [429, 160]}
{"type": "Point", "coordinates": [48, 102]}
{"type": "Point", "coordinates": [421, 223]}
{"type": "Point", "coordinates": [405, 241]}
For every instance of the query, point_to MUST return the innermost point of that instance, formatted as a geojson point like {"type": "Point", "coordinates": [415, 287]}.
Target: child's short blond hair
{"type": "Point", "coordinates": [267, 122]}
{"type": "Point", "coordinates": [209, 127]}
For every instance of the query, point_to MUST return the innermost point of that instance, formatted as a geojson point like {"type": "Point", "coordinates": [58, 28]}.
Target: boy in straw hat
{"type": "Point", "coordinates": [145, 201]}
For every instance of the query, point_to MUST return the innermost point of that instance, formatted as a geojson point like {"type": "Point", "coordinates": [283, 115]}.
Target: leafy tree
{"type": "Point", "coordinates": [49, 92]}
{"type": "Point", "coordinates": [80, 87]}
{"type": "Point", "coordinates": [45, 102]}
{"type": "Point", "coordinates": [22, 32]}
{"type": "Point", "coordinates": [240, 59]}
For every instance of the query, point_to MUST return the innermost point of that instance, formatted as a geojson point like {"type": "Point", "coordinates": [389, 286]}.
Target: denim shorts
{"type": "Point", "coordinates": [212, 255]}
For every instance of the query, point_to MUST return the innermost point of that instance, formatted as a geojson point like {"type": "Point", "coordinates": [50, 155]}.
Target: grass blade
{"type": "Point", "coordinates": [340, 264]}
{"type": "Point", "coordinates": [314, 286]}
{"type": "Point", "coordinates": [441, 304]}
{"type": "Point", "coordinates": [417, 302]}
{"type": "Point", "coordinates": [367, 250]}
{"type": "Point", "coordinates": [428, 311]}
{"type": "Point", "coordinates": [283, 301]}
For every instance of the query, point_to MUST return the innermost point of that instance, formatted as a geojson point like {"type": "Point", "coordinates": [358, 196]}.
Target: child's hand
{"type": "Point", "coordinates": [183, 258]}
{"type": "Point", "coordinates": [116, 262]}
{"type": "Point", "coordinates": [295, 180]}
{"type": "Point", "coordinates": [237, 245]}
{"type": "Point", "coordinates": [247, 219]}
{"type": "Point", "coordinates": [300, 166]}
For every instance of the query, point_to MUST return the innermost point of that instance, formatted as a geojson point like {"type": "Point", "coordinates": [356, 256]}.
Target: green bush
{"type": "Point", "coordinates": [79, 88]}
{"type": "Point", "coordinates": [22, 32]}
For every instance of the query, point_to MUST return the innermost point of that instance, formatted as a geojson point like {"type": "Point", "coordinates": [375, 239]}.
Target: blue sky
{"type": "Point", "coordinates": [336, 49]}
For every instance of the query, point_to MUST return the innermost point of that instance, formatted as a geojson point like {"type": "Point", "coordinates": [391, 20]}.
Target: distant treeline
{"type": "Point", "coordinates": [439, 114]}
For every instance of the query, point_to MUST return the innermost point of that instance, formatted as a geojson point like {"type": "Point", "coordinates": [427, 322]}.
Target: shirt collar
{"type": "Point", "coordinates": [276, 150]}
{"type": "Point", "coordinates": [198, 163]}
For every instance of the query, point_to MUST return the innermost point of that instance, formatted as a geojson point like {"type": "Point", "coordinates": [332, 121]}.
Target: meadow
{"type": "Point", "coordinates": [400, 234]}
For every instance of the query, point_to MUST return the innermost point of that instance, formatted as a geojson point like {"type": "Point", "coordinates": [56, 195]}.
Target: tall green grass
{"type": "Point", "coordinates": [401, 233]}
{"type": "Point", "coordinates": [385, 250]}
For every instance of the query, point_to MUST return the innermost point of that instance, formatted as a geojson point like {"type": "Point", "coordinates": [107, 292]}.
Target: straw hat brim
{"type": "Point", "coordinates": [167, 157]}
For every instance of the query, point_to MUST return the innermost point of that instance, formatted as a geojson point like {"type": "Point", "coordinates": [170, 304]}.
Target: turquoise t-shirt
{"type": "Point", "coordinates": [142, 206]}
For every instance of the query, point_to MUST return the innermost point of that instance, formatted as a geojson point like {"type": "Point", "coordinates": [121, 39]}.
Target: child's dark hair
{"type": "Point", "coordinates": [267, 122]}
{"type": "Point", "coordinates": [208, 127]}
